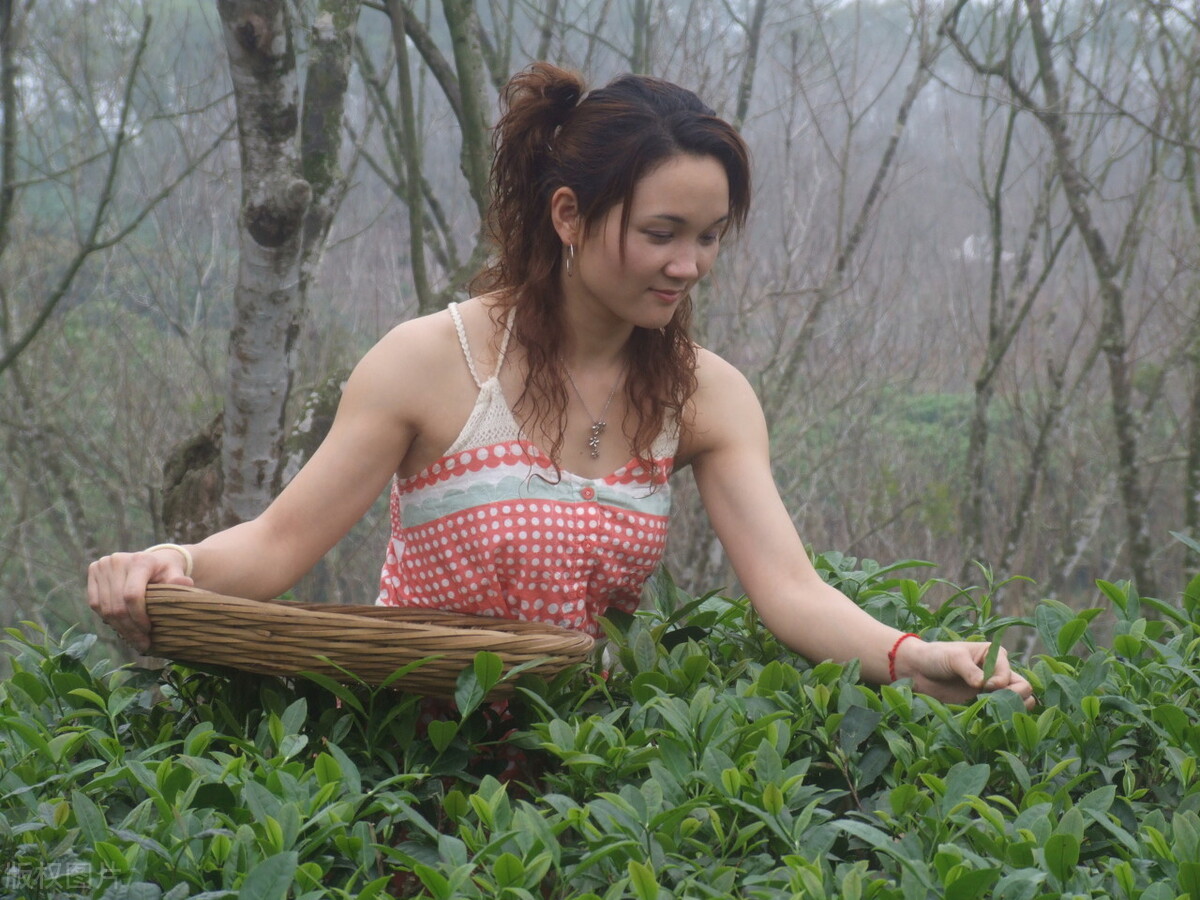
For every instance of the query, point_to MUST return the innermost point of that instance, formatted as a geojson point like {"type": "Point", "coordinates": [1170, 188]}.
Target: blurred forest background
{"type": "Point", "coordinates": [969, 294]}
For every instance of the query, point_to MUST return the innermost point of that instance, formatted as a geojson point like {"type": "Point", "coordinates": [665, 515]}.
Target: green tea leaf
{"type": "Point", "coordinates": [964, 781]}
{"type": "Point", "coordinates": [1069, 635]}
{"type": "Point", "coordinates": [468, 693]}
{"type": "Point", "coordinates": [1062, 856]}
{"type": "Point", "coordinates": [1189, 877]}
{"type": "Point", "coordinates": [1191, 596]}
{"type": "Point", "coordinates": [455, 805]}
{"type": "Point", "coordinates": [645, 651]}
{"type": "Point", "coordinates": [989, 661]}
{"type": "Point", "coordinates": [973, 884]}
{"type": "Point", "coordinates": [508, 870]}
{"type": "Point", "coordinates": [326, 769]}
{"type": "Point", "coordinates": [1187, 541]}
{"type": "Point", "coordinates": [641, 878]}
{"type": "Point", "coordinates": [858, 724]}
{"type": "Point", "coordinates": [869, 833]}
{"type": "Point", "coordinates": [270, 879]}
{"type": "Point", "coordinates": [441, 733]}
{"type": "Point", "coordinates": [339, 690]}
{"type": "Point", "coordinates": [435, 882]}
{"type": "Point", "coordinates": [1050, 617]}
{"type": "Point", "coordinates": [349, 771]}
{"type": "Point", "coordinates": [88, 817]}
{"type": "Point", "coordinates": [488, 669]}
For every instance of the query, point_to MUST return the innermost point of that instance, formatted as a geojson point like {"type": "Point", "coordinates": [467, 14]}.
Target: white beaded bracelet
{"type": "Point", "coordinates": [188, 562]}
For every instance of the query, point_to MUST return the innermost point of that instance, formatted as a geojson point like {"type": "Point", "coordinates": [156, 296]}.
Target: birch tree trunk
{"type": "Point", "coordinates": [1191, 518]}
{"type": "Point", "coordinates": [275, 198]}
{"type": "Point", "coordinates": [287, 202]}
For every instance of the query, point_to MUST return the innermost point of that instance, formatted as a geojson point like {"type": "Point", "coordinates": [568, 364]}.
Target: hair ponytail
{"type": "Point", "coordinates": [535, 105]}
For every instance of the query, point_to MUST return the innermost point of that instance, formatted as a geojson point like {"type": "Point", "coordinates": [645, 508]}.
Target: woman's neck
{"type": "Point", "coordinates": [595, 338]}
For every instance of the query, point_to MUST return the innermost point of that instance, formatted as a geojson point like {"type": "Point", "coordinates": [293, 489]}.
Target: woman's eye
{"type": "Point", "coordinates": [709, 239]}
{"type": "Point", "coordinates": [659, 235]}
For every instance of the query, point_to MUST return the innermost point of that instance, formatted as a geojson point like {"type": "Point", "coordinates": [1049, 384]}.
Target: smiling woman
{"type": "Point", "coordinates": [643, 272]}
{"type": "Point", "coordinates": [530, 432]}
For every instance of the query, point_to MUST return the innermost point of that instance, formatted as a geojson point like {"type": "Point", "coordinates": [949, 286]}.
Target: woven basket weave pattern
{"type": "Point", "coordinates": [371, 642]}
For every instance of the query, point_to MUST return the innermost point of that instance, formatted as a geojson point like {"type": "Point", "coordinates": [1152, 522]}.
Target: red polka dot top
{"type": "Point", "coordinates": [493, 529]}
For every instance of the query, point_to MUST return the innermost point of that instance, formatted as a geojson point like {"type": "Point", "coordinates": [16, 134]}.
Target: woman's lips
{"type": "Point", "coordinates": [666, 296]}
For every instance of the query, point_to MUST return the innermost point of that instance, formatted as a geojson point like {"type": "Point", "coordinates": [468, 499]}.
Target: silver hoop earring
{"type": "Point", "coordinates": [570, 260]}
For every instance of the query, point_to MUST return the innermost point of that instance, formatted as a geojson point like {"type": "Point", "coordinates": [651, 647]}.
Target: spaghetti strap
{"type": "Point", "coordinates": [466, 348]}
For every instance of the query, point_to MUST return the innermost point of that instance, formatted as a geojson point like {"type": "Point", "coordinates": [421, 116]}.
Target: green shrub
{"type": "Point", "coordinates": [710, 762]}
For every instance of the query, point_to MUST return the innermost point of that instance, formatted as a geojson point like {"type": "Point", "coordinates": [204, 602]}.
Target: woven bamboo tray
{"type": "Point", "coordinates": [283, 638]}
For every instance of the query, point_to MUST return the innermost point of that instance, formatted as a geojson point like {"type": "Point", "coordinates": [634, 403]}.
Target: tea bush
{"type": "Point", "coordinates": [710, 762]}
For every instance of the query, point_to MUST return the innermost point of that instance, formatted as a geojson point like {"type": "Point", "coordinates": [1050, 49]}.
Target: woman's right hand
{"type": "Point", "coordinates": [117, 589]}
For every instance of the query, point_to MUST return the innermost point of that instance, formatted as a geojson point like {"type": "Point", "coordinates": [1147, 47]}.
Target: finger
{"type": "Point", "coordinates": [1024, 690]}
{"type": "Point", "coordinates": [964, 664]}
{"type": "Point", "coordinates": [104, 593]}
{"type": "Point", "coordinates": [93, 587]}
{"type": "Point", "coordinates": [1002, 674]}
{"type": "Point", "coordinates": [111, 576]}
{"type": "Point", "coordinates": [133, 593]}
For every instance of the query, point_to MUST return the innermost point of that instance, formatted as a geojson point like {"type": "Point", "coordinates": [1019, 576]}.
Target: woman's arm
{"type": "Point", "coordinates": [376, 423]}
{"type": "Point", "coordinates": [727, 446]}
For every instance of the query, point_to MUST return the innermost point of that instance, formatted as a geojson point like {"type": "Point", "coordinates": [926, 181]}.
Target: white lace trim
{"type": "Point", "coordinates": [491, 420]}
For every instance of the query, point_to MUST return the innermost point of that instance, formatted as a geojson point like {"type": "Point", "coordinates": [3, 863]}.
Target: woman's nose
{"type": "Point", "coordinates": [684, 264]}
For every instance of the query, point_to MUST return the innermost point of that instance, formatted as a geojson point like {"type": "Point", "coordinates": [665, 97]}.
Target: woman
{"type": "Point", "coordinates": [530, 430]}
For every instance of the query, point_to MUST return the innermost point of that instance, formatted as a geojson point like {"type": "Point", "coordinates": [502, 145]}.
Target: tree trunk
{"type": "Point", "coordinates": [326, 80]}
{"type": "Point", "coordinates": [267, 300]}
{"type": "Point", "coordinates": [290, 185]}
{"type": "Point", "coordinates": [8, 127]}
{"type": "Point", "coordinates": [1191, 519]}
{"type": "Point", "coordinates": [1005, 320]}
{"type": "Point", "coordinates": [468, 61]}
{"type": "Point", "coordinates": [1022, 510]}
{"type": "Point", "coordinates": [750, 66]}
{"type": "Point", "coordinates": [639, 57]}
{"type": "Point", "coordinates": [549, 24]}
{"type": "Point", "coordinates": [410, 140]}
{"type": "Point", "coordinates": [1075, 187]}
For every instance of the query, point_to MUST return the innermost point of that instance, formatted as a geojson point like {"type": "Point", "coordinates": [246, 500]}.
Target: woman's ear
{"type": "Point", "coordinates": [564, 214]}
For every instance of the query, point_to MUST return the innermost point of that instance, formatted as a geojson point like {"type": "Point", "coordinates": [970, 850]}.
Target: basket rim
{"type": "Point", "coordinates": [280, 610]}
{"type": "Point", "coordinates": [284, 637]}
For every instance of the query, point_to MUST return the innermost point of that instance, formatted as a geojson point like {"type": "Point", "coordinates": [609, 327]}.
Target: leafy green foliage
{"type": "Point", "coordinates": [710, 762]}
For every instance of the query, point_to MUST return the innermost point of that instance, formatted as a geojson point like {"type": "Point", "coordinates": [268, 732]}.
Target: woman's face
{"type": "Point", "coordinates": [677, 215]}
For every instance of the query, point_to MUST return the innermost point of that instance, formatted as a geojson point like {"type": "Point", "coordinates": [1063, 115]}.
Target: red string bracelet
{"type": "Point", "coordinates": [892, 653]}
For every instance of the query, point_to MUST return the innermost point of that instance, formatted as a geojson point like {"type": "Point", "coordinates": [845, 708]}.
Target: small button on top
{"type": "Point", "coordinates": [588, 493]}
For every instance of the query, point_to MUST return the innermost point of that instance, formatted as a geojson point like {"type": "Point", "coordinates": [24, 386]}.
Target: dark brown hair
{"type": "Point", "coordinates": [600, 146]}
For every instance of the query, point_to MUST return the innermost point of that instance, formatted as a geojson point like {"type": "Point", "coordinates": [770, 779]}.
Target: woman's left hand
{"type": "Point", "coordinates": [952, 671]}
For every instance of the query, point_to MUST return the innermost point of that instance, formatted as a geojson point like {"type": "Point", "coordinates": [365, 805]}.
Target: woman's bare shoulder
{"type": "Point", "coordinates": [413, 364]}
{"type": "Point", "coordinates": [717, 378]}
{"type": "Point", "coordinates": [433, 339]}
{"type": "Point", "coordinates": [724, 408]}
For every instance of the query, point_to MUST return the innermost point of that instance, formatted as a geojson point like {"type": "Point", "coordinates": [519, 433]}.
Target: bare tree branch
{"type": "Point", "coordinates": [91, 242]}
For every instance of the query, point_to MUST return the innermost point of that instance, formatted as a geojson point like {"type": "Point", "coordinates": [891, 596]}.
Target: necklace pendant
{"type": "Point", "coordinates": [594, 440]}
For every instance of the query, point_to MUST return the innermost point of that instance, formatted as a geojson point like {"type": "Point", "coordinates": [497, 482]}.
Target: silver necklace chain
{"type": "Point", "coordinates": [598, 424]}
